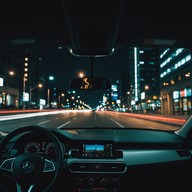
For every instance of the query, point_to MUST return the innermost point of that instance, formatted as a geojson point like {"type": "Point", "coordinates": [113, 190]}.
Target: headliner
{"type": "Point", "coordinates": [95, 25]}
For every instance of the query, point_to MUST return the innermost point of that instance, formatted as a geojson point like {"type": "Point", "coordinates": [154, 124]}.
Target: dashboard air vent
{"type": "Point", "coordinates": [183, 153]}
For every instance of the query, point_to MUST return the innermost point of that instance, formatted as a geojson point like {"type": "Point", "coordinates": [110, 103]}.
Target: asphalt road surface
{"type": "Point", "coordinates": [79, 119]}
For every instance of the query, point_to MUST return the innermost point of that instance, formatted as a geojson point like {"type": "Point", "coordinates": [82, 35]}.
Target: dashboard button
{"type": "Point", "coordinates": [91, 182]}
{"type": "Point", "coordinates": [97, 167]}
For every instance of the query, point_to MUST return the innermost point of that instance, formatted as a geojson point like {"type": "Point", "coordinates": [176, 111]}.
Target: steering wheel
{"type": "Point", "coordinates": [28, 169]}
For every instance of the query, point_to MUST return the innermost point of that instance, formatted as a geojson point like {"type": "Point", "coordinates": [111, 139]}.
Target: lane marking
{"type": "Point", "coordinates": [112, 119]}
{"type": "Point", "coordinates": [74, 118]}
{"type": "Point", "coordinates": [64, 124]}
{"type": "Point", "coordinates": [43, 122]}
{"type": "Point", "coordinates": [119, 124]}
{"type": "Point", "coordinates": [57, 118]}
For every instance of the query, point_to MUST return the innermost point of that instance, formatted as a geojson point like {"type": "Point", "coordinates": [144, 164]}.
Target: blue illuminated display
{"type": "Point", "coordinates": [94, 147]}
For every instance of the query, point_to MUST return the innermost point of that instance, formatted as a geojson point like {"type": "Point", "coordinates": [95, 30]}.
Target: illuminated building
{"type": "Point", "coordinates": [176, 81]}
{"type": "Point", "coordinates": [144, 91]}
{"type": "Point", "coordinates": [19, 71]}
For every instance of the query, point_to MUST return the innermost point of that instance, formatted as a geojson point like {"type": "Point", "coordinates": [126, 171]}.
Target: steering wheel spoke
{"type": "Point", "coordinates": [21, 189]}
{"type": "Point", "coordinates": [7, 164]}
{"type": "Point", "coordinates": [49, 166]}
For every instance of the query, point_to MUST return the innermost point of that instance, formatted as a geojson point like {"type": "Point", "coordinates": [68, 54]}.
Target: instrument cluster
{"type": "Point", "coordinates": [43, 147]}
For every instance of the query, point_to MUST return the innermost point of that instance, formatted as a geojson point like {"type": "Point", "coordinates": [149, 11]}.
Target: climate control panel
{"type": "Point", "coordinates": [97, 183]}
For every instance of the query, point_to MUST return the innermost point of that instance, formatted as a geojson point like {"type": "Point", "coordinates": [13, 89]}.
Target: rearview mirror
{"type": "Point", "coordinates": [92, 53]}
{"type": "Point", "coordinates": [91, 83]}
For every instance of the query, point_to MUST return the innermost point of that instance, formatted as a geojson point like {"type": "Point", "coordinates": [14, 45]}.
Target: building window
{"type": "Point", "coordinates": [172, 82]}
{"type": "Point", "coordinates": [165, 84]}
{"type": "Point", "coordinates": [187, 75]}
{"type": "Point", "coordinates": [175, 66]}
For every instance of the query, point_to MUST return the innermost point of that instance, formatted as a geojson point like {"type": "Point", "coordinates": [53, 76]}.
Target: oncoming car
{"type": "Point", "coordinates": [100, 95]}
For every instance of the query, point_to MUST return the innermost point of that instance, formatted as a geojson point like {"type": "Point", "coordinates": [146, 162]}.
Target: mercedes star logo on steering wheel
{"type": "Point", "coordinates": [27, 165]}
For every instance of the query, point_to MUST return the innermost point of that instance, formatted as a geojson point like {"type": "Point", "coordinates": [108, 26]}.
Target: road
{"type": "Point", "coordinates": [79, 119]}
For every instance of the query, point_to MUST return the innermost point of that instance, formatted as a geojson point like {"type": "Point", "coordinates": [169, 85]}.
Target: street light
{"type": "Point", "coordinates": [62, 95]}
{"type": "Point", "coordinates": [146, 87]}
{"type": "Point", "coordinates": [30, 91]}
{"type": "Point", "coordinates": [81, 75]}
{"type": "Point", "coordinates": [12, 73]}
{"type": "Point", "coordinates": [147, 98]}
{"type": "Point", "coordinates": [51, 78]}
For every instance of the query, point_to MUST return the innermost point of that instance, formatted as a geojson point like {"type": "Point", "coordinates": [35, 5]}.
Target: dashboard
{"type": "Point", "coordinates": [95, 150]}
{"type": "Point", "coordinates": [113, 160]}
{"type": "Point", "coordinates": [87, 144]}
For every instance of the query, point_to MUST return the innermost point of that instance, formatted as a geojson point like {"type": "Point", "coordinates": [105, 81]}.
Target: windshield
{"type": "Point", "coordinates": [133, 50]}
{"type": "Point", "coordinates": [149, 89]}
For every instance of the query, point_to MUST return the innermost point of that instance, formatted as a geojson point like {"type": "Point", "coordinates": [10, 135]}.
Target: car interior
{"type": "Point", "coordinates": [33, 158]}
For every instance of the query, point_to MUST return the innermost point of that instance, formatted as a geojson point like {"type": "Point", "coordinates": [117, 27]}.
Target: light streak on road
{"type": "Point", "coordinates": [158, 118]}
{"type": "Point", "coordinates": [21, 116]}
{"type": "Point", "coordinates": [29, 115]}
{"type": "Point", "coordinates": [150, 127]}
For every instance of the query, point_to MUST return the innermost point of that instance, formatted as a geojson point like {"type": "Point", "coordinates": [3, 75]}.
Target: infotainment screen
{"type": "Point", "coordinates": [97, 150]}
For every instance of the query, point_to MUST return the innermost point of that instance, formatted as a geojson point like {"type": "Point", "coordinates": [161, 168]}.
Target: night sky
{"type": "Point", "coordinates": [64, 66]}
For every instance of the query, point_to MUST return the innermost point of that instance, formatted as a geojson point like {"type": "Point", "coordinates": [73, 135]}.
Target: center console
{"type": "Point", "coordinates": [97, 183]}
{"type": "Point", "coordinates": [95, 168]}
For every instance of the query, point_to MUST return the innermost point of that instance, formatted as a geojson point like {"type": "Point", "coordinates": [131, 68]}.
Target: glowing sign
{"type": "Point", "coordinates": [42, 102]}
{"type": "Point", "coordinates": [25, 96]}
{"type": "Point", "coordinates": [118, 101]}
{"type": "Point", "coordinates": [143, 95]}
{"type": "Point", "coordinates": [1, 82]}
{"type": "Point", "coordinates": [175, 94]}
